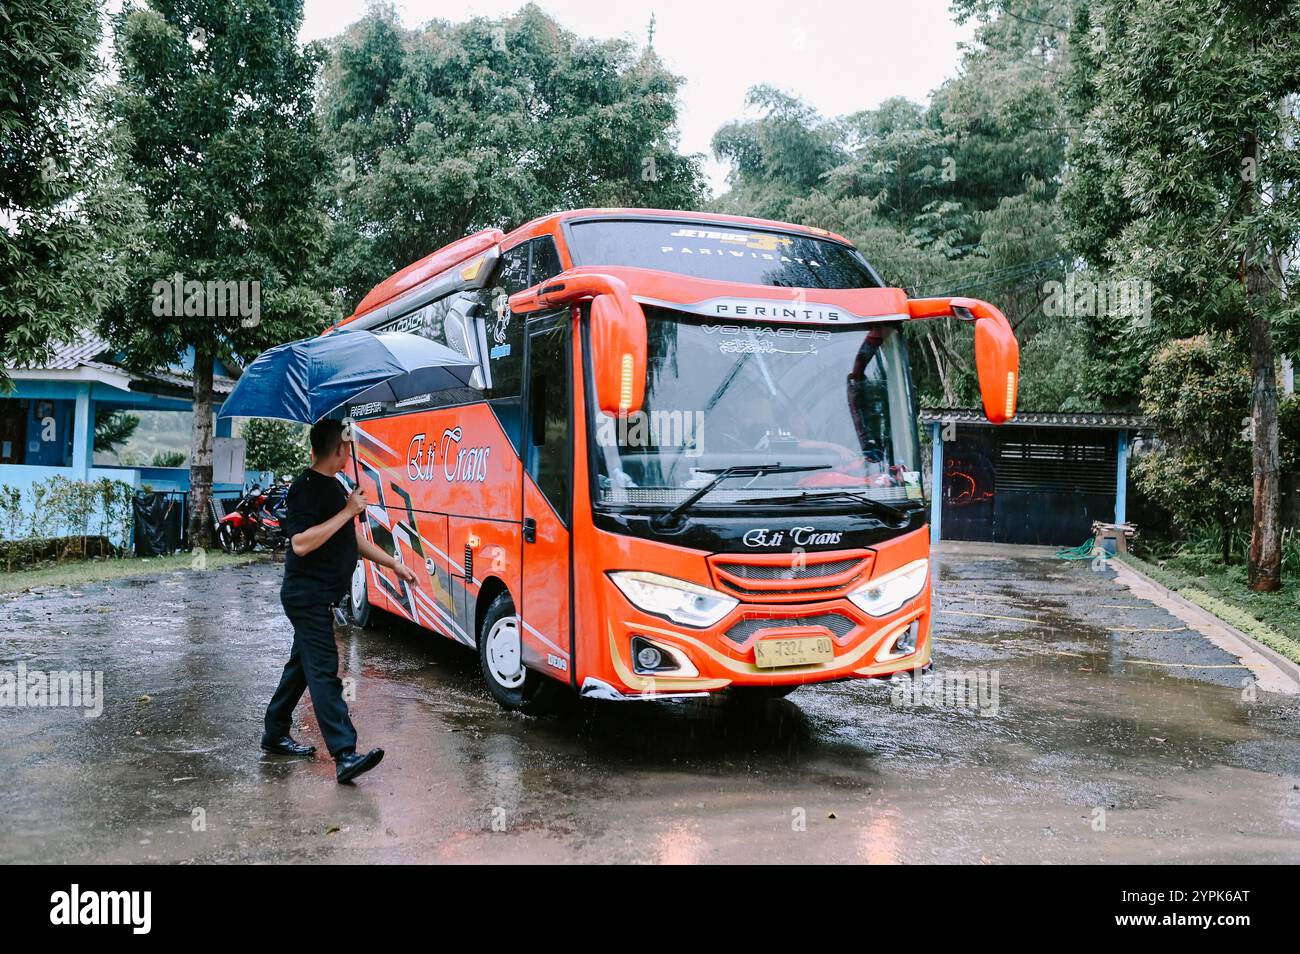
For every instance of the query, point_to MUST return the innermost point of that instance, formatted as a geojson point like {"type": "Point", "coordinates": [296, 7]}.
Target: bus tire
{"type": "Point", "coordinates": [358, 596]}
{"type": "Point", "coordinates": [755, 695]}
{"type": "Point", "coordinates": [514, 686]}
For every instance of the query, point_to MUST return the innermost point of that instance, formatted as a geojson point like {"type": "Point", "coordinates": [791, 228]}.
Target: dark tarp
{"type": "Point", "coordinates": [157, 523]}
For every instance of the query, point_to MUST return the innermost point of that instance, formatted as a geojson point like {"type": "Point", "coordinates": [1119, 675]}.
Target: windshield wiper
{"type": "Point", "coordinates": [899, 517]}
{"type": "Point", "coordinates": [668, 520]}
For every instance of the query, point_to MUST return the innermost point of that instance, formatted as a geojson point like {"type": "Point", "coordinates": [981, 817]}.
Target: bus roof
{"type": "Point", "coordinates": [544, 223]}
{"type": "Point", "coordinates": [462, 250]}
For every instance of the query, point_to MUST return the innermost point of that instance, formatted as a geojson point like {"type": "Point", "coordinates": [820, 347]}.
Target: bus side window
{"type": "Point", "coordinates": [505, 331]}
{"type": "Point", "coordinates": [548, 454]}
{"type": "Point", "coordinates": [512, 273]}
{"type": "Point", "coordinates": [546, 260]}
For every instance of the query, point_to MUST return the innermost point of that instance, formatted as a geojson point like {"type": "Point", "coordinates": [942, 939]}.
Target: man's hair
{"type": "Point", "coordinates": [325, 438]}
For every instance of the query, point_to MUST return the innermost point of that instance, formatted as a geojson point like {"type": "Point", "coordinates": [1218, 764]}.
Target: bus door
{"type": "Point", "coordinates": [548, 491]}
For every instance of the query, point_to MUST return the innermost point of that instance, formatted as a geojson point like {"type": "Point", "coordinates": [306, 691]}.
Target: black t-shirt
{"type": "Point", "coordinates": [324, 574]}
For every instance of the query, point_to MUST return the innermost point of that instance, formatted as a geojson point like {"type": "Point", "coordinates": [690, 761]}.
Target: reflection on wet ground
{"type": "Point", "coordinates": [1117, 735]}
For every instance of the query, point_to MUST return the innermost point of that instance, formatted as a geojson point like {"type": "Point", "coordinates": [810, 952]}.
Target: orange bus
{"type": "Point", "coordinates": [688, 460]}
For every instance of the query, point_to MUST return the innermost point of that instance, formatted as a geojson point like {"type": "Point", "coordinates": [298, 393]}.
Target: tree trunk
{"type": "Point", "coordinates": [1264, 562]}
{"type": "Point", "coordinates": [200, 509]}
{"type": "Point", "coordinates": [949, 398]}
{"type": "Point", "coordinates": [1264, 568]}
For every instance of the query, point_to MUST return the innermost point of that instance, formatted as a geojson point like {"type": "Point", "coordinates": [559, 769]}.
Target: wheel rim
{"type": "Point", "coordinates": [504, 656]}
{"type": "Point", "coordinates": [359, 586]}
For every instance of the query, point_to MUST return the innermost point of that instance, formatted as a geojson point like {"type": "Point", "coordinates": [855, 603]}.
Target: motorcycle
{"type": "Point", "coordinates": [256, 519]}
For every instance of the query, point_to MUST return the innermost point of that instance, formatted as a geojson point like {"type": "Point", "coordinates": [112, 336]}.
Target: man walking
{"type": "Point", "coordinates": [324, 542]}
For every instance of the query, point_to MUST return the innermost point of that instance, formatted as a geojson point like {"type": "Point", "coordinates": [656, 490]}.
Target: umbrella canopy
{"type": "Point", "coordinates": [305, 380]}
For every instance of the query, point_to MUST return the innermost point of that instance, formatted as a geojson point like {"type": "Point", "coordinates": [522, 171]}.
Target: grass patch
{"type": "Point", "coordinates": [98, 571]}
{"type": "Point", "coordinates": [1271, 618]}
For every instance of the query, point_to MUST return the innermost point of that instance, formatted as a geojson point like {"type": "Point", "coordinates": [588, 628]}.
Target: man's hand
{"type": "Point", "coordinates": [356, 502]}
{"type": "Point", "coordinates": [404, 572]}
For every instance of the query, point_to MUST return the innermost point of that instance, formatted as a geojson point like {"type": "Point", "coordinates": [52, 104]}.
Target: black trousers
{"type": "Point", "coordinates": [313, 666]}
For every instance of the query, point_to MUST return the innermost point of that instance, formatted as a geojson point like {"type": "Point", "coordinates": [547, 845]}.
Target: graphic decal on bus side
{"type": "Point", "coordinates": [500, 324]}
{"type": "Point", "coordinates": [458, 464]}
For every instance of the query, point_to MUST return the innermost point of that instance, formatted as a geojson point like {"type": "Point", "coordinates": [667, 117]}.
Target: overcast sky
{"type": "Point", "coordinates": [840, 56]}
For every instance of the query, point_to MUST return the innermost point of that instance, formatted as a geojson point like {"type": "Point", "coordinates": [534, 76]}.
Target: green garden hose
{"type": "Point", "coordinates": [1084, 551]}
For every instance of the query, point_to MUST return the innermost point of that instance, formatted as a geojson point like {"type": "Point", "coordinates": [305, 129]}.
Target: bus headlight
{"type": "Point", "coordinates": [687, 603]}
{"type": "Point", "coordinates": [887, 593]}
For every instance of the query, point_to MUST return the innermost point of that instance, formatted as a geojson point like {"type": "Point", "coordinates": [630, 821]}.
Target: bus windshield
{"type": "Point", "coordinates": [833, 401]}
{"type": "Point", "coordinates": [720, 252]}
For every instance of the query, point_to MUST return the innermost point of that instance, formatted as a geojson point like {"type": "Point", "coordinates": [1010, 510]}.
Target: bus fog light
{"type": "Point", "coordinates": [648, 657]}
{"type": "Point", "coordinates": [656, 659]}
{"type": "Point", "coordinates": [906, 644]}
{"type": "Point", "coordinates": [887, 593]}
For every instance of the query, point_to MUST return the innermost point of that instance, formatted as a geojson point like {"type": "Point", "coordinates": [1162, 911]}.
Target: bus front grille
{"type": "Point", "coordinates": [840, 624]}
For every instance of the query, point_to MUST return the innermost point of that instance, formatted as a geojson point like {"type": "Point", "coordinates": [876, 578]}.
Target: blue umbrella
{"type": "Point", "coordinates": [305, 380]}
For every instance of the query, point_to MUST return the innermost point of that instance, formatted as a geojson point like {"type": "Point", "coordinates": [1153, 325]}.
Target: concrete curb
{"type": "Point", "coordinates": [1274, 671]}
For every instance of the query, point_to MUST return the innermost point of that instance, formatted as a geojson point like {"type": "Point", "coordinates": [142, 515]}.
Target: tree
{"type": "Point", "coordinates": [62, 211]}
{"type": "Point", "coordinates": [168, 459]}
{"type": "Point", "coordinates": [451, 128]}
{"type": "Point", "coordinates": [1185, 174]}
{"type": "Point", "coordinates": [113, 428]}
{"type": "Point", "coordinates": [1195, 393]}
{"type": "Point", "coordinates": [225, 152]}
{"type": "Point", "coordinates": [277, 446]}
{"type": "Point", "coordinates": [778, 158]}
{"type": "Point", "coordinates": [954, 197]}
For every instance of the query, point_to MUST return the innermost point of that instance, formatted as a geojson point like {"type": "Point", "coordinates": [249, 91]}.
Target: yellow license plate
{"type": "Point", "coordinates": [805, 651]}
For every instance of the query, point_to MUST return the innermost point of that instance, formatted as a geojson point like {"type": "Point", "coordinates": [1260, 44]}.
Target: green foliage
{"type": "Point", "coordinates": [1222, 591]}
{"type": "Point", "coordinates": [113, 428]}
{"type": "Point", "coordinates": [225, 154]}
{"type": "Point", "coordinates": [62, 207]}
{"type": "Point", "coordinates": [778, 158]}
{"type": "Point", "coordinates": [278, 446]}
{"type": "Point", "coordinates": [1196, 394]}
{"type": "Point", "coordinates": [116, 510]}
{"type": "Point", "coordinates": [450, 128]}
{"type": "Point", "coordinates": [215, 100]}
{"type": "Point", "coordinates": [957, 196]}
{"type": "Point", "coordinates": [1054, 369]}
{"type": "Point", "coordinates": [1167, 96]}
{"type": "Point", "coordinates": [58, 518]}
{"type": "Point", "coordinates": [169, 458]}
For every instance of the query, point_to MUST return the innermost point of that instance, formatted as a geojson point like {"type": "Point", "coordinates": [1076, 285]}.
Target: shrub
{"type": "Point", "coordinates": [277, 446]}
{"type": "Point", "coordinates": [1196, 394]}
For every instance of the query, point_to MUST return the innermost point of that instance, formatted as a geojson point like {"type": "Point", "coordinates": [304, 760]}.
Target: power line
{"type": "Point", "coordinates": [997, 276]}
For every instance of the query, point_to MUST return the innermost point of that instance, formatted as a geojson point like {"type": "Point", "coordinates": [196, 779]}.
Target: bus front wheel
{"type": "Point", "coordinates": [513, 685]}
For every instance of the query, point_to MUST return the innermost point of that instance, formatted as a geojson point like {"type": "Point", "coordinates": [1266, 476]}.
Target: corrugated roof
{"type": "Point", "coordinates": [91, 351]}
{"type": "Point", "coordinates": [64, 356]}
{"type": "Point", "coordinates": [969, 415]}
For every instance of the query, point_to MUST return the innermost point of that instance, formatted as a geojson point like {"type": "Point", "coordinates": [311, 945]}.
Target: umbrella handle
{"type": "Point", "coordinates": [352, 444]}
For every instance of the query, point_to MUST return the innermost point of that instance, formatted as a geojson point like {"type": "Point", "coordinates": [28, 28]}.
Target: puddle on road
{"type": "Point", "coordinates": [1175, 757]}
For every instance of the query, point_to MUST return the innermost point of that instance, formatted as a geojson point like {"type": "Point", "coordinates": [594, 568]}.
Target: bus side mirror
{"type": "Point", "coordinates": [617, 327]}
{"type": "Point", "coordinates": [997, 355]}
{"type": "Point", "coordinates": [997, 363]}
{"type": "Point", "coordinates": [618, 345]}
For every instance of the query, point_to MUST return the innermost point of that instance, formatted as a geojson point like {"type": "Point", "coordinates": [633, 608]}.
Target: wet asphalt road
{"type": "Point", "coordinates": [1119, 736]}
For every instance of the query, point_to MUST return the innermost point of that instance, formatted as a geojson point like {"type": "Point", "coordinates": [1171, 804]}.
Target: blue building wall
{"type": "Point", "coordinates": [69, 451]}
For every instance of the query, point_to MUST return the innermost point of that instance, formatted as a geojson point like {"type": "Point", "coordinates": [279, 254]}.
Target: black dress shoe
{"type": "Point", "coordinates": [285, 745]}
{"type": "Point", "coordinates": [349, 765]}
